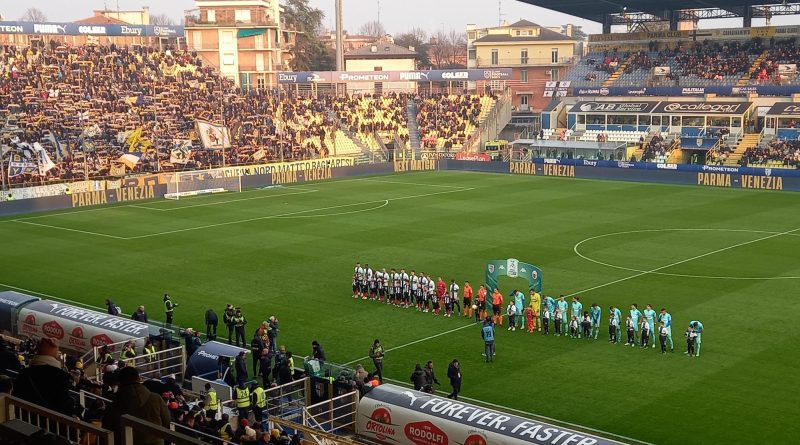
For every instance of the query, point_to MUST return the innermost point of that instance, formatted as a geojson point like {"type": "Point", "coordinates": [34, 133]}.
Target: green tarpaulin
{"type": "Point", "coordinates": [242, 33]}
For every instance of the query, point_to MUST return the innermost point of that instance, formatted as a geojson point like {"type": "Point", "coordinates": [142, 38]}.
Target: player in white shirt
{"type": "Point", "coordinates": [406, 288]}
{"type": "Point", "coordinates": [369, 278]}
{"type": "Point", "coordinates": [414, 287]}
{"type": "Point", "coordinates": [422, 293]}
{"type": "Point", "coordinates": [397, 287]}
{"type": "Point", "coordinates": [431, 295]}
{"type": "Point", "coordinates": [358, 274]}
{"type": "Point", "coordinates": [453, 294]}
{"type": "Point", "coordinates": [383, 282]}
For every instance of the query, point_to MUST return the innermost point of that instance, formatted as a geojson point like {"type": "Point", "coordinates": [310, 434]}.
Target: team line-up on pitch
{"type": "Point", "coordinates": [569, 319]}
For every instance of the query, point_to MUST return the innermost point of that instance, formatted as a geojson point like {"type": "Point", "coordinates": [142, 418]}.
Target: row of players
{"type": "Point", "coordinates": [408, 290]}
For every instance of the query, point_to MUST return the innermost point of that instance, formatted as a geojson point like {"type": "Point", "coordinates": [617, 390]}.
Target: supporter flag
{"type": "Point", "coordinates": [19, 166]}
{"type": "Point", "coordinates": [92, 131]}
{"type": "Point", "coordinates": [259, 155]}
{"type": "Point", "coordinates": [136, 142]}
{"type": "Point", "coordinates": [130, 159]}
{"type": "Point", "coordinates": [62, 150]}
{"type": "Point", "coordinates": [181, 152]}
{"type": "Point", "coordinates": [213, 136]}
{"type": "Point", "coordinates": [44, 162]}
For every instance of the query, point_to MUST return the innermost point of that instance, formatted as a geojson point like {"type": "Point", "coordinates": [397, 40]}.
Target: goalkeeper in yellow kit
{"type": "Point", "coordinates": [536, 305]}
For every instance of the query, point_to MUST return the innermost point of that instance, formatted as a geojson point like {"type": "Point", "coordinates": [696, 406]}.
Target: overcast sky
{"type": "Point", "coordinates": [396, 15]}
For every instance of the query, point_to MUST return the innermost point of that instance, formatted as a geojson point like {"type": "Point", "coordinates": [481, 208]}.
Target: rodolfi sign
{"type": "Point", "coordinates": [390, 414]}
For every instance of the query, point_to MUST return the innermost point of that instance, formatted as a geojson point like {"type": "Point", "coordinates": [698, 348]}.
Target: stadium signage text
{"type": "Point", "coordinates": [784, 109]}
{"type": "Point", "coordinates": [266, 169]}
{"type": "Point", "coordinates": [73, 29]}
{"type": "Point", "coordinates": [566, 171]}
{"type": "Point", "coordinates": [393, 76]}
{"type": "Point", "coordinates": [522, 168]}
{"type": "Point", "coordinates": [415, 166]}
{"type": "Point", "coordinates": [702, 108]}
{"type": "Point", "coordinates": [616, 107]}
{"type": "Point", "coordinates": [135, 193]}
{"type": "Point", "coordinates": [714, 179]}
{"type": "Point", "coordinates": [762, 182]}
{"type": "Point", "coordinates": [89, 199]}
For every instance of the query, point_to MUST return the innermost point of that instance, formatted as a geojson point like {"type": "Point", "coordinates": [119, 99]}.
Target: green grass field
{"type": "Point", "coordinates": [290, 252]}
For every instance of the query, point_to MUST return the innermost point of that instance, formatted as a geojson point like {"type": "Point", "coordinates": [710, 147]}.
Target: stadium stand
{"type": "Point", "coordinates": [773, 154]}
{"type": "Point", "coordinates": [89, 105]}
{"type": "Point", "coordinates": [447, 121]}
{"type": "Point", "coordinates": [594, 68]}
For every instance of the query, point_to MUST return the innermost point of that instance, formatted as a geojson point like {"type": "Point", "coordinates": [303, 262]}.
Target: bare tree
{"type": "Point", "coordinates": [161, 19]}
{"type": "Point", "coordinates": [457, 48]}
{"type": "Point", "coordinates": [33, 15]}
{"type": "Point", "coordinates": [373, 29]}
{"type": "Point", "coordinates": [439, 50]}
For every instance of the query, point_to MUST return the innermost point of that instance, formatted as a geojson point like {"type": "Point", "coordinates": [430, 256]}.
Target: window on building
{"type": "Point", "coordinates": [242, 15]}
{"type": "Point", "coordinates": [227, 37]}
{"type": "Point", "coordinates": [211, 15]}
{"type": "Point", "coordinates": [523, 76]}
{"type": "Point", "coordinates": [197, 39]}
{"type": "Point", "coordinates": [259, 62]}
{"type": "Point", "coordinates": [523, 100]}
{"type": "Point", "coordinates": [554, 55]}
{"type": "Point", "coordinates": [472, 54]}
{"type": "Point", "coordinates": [260, 41]}
{"type": "Point", "coordinates": [495, 57]}
{"type": "Point", "coordinates": [260, 84]}
{"type": "Point", "coordinates": [523, 56]}
{"type": "Point", "coordinates": [228, 59]}
{"type": "Point", "coordinates": [471, 35]}
{"type": "Point", "coordinates": [553, 75]}
{"type": "Point", "coordinates": [518, 33]}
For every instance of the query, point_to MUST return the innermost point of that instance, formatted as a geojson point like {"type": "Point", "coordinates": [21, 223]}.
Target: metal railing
{"type": "Point", "coordinates": [74, 430]}
{"type": "Point", "coordinates": [336, 414]}
{"type": "Point", "coordinates": [130, 425]}
{"type": "Point", "coordinates": [288, 400]}
{"type": "Point", "coordinates": [312, 435]}
{"type": "Point", "coordinates": [153, 366]}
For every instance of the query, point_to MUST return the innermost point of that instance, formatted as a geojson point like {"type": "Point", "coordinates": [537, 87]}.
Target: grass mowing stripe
{"type": "Point", "coordinates": [696, 257]}
{"type": "Point", "coordinates": [85, 232]}
{"type": "Point", "coordinates": [299, 212]}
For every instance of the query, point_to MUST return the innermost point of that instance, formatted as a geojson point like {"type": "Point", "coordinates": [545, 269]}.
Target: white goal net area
{"type": "Point", "coordinates": [196, 183]}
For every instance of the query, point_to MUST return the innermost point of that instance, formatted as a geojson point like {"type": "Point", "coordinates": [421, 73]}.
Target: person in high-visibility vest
{"type": "Point", "coordinates": [243, 401]}
{"type": "Point", "coordinates": [169, 308]}
{"type": "Point", "coordinates": [225, 430]}
{"type": "Point", "coordinates": [260, 402]}
{"type": "Point", "coordinates": [212, 402]}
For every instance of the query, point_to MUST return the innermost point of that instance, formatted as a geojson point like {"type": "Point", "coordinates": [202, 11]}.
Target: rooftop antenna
{"type": "Point", "coordinates": [499, 12]}
{"type": "Point", "coordinates": [379, 11]}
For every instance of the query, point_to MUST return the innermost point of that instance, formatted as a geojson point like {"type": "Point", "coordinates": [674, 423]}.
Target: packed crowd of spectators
{"type": "Point", "coordinates": [373, 116]}
{"type": "Point", "coordinates": [783, 152]}
{"type": "Point", "coordinates": [93, 100]}
{"type": "Point", "coordinates": [447, 121]}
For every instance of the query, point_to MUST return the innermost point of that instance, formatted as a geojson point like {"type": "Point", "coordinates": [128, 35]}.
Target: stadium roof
{"type": "Point", "coordinates": [598, 10]}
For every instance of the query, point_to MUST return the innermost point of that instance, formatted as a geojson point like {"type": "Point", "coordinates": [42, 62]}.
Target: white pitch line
{"type": "Point", "coordinates": [535, 416]}
{"type": "Point", "coordinates": [723, 249]}
{"type": "Point", "coordinates": [300, 212]}
{"type": "Point", "coordinates": [711, 277]}
{"type": "Point", "coordinates": [408, 183]}
{"type": "Point", "coordinates": [85, 232]}
{"type": "Point", "coordinates": [417, 341]}
{"type": "Point", "coordinates": [350, 212]}
{"type": "Point", "coordinates": [206, 204]}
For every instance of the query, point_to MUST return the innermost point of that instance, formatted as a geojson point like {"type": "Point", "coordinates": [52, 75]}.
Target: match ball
{"type": "Point", "coordinates": [474, 306]}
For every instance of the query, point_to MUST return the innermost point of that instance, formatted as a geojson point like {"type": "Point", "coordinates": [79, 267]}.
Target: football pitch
{"type": "Point", "coordinates": [729, 258]}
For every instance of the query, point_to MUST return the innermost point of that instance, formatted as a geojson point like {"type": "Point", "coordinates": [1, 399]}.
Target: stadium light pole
{"type": "Point", "coordinates": [339, 37]}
